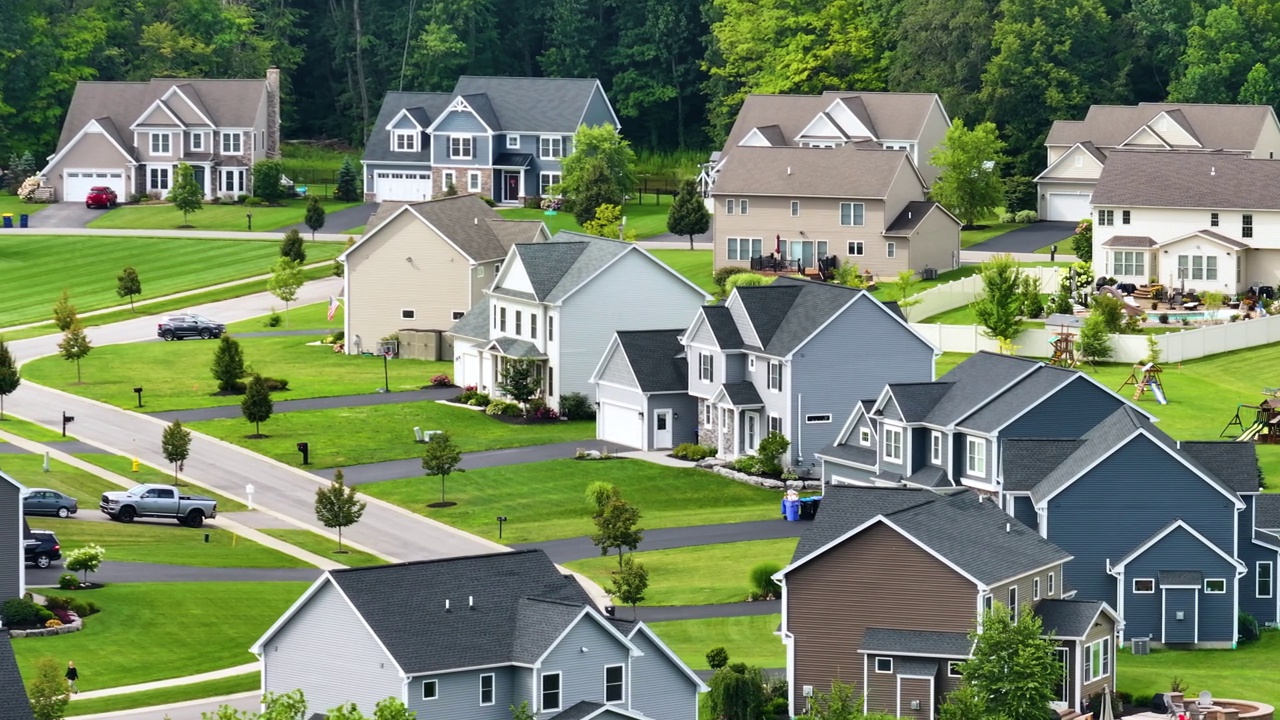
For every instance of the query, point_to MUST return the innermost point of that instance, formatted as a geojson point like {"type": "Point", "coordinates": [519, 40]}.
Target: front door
{"type": "Point", "coordinates": [661, 429]}
{"type": "Point", "coordinates": [1062, 695]}
{"type": "Point", "coordinates": [751, 431]}
{"type": "Point", "coordinates": [510, 186]}
{"type": "Point", "coordinates": [198, 172]}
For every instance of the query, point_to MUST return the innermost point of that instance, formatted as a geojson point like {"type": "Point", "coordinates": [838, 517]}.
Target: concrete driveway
{"type": "Point", "coordinates": [65, 215]}
{"type": "Point", "coordinates": [1029, 238]}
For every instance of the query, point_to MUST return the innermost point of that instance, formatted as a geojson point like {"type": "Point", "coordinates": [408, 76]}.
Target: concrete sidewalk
{"type": "Point", "coordinates": [171, 682]}
{"type": "Point", "coordinates": [189, 710]}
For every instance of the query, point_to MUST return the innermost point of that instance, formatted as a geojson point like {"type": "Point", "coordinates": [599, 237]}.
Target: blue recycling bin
{"type": "Point", "coordinates": [791, 509]}
{"type": "Point", "coordinates": [22, 220]}
{"type": "Point", "coordinates": [8, 220]}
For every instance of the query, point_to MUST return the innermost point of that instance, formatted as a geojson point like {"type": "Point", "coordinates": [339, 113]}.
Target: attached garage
{"type": "Point", "coordinates": [405, 186]}
{"type": "Point", "coordinates": [619, 424]}
{"type": "Point", "coordinates": [76, 183]}
{"type": "Point", "coordinates": [470, 370]}
{"type": "Point", "coordinates": [1070, 207]}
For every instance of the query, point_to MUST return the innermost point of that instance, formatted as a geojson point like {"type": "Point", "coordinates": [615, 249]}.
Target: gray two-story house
{"type": "Point", "coordinates": [466, 638]}
{"type": "Point", "coordinates": [501, 137]}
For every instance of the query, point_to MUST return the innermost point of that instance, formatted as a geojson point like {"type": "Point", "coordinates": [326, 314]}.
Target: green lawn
{"type": "Point", "coordinates": [324, 547]}
{"type": "Point", "coordinates": [122, 465]}
{"type": "Point", "coordinates": [703, 575]}
{"type": "Point", "coordinates": [37, 268]}
{"type": "Point", "coordinates": [693, 264]}
{"type": "Point", "coordinates": [357, 230]}
{"type": "Point", "coordinates": [17, 206]}
{"type": "Point", "coordinates": [162, 542]}
{"type": "Point", "coordinates": [222, 216]}
{"type": "Point", "coordinates": [164, 696]}
{"type": "Point", "coordinates": [358, 435]}
{"type": "Point", "coordinates": [176, 375]}
{"type": "Point", "coordinates": [31, 431]}
{"type": "Point", "coordinates": [749, 639]}
{"type": "Point", "coordinates": [1247, 673]}
{"type": "Point", "coordinates": [988, 229]}
{"type": "Point", "coordinates": [85, 487]}
{"type": "Point", "coordinates": [964, 315]}
{"type": "Point", "coordinates": [305, 161]}
{"type": "Point", "coordinates": [301, 317]}
{"type": "Point", "coordinates": [546, 500]}
{"type": "Point", "coordinates": [646, 220]}
{"type": "Point", "coordinates": [121, 645]}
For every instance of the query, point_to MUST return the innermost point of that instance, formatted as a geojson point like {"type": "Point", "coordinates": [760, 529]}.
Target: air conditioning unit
{"type": "Point", "coordinates": [1142, 646]}
{"type": "Point", "coordinates": [929, 274]}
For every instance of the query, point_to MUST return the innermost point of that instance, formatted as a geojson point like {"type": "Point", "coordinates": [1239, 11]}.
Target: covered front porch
{"type": "Point", "coordinates": [497, 354]}
{"type": "Point", "coordinates": [738, 416]}
{"type": "Point", "coordinates": [509, 178]}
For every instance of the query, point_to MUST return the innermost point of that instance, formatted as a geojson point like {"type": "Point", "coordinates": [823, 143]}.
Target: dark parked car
{"type": "Point", "coordinates": [42, 548]}
{"type": "Point", "coordinates": [178, 327]}
{"type": "Point", "coordinates": [43, 501]}
{"type": "Point", "coordinates": [101, 196]}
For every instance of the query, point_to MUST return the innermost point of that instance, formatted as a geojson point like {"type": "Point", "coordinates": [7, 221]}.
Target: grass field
{"type": "Point", "coordinates": [119, 646]}
{"type": "Point", "coordinates": [324, 547]}
{"type": "Point", "coordinates": [304, 161]}
{"type": "Point", "coordinates": [1247, 673]}
{"type": "Point", "coordinates": [547, 501]}
{"type": "Point", "coordinates": [176, 375]}
{"type": "Point", "coordinates": [164, 696]}
{"type": "Point", "coordinates": [702, 575]}
{"type": "Point", "coordinates": [693, 264]}
{"type": "Point", "coordinates": [212, 217]}
{"type": "Point", "coordinates": [646, 220]}
{"type": "Point", "coordinates": [17, 206]}
{"type": "Point", "coordinates": [358, 435]}
{"type": "Point", "coordinates": [30, 431]}
{"type": "Point", "coordinates": [37, 268]}
{"type": "Point", "coordinates": [85, 487]}
{"type": "Point", "coordinates": [748, 640]}
{"type": "Point", "coordinates": [122, 465]}
{"type": "Point", "coordinates": [164, 542]}
{"type": "Point", "coordinates": [301, 317]}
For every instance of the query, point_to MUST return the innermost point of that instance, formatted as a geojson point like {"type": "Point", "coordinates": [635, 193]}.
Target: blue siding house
{"type": "Point", "coordinates": [467, 638]}
{"type": "Point", "coordinates": [501, 137]}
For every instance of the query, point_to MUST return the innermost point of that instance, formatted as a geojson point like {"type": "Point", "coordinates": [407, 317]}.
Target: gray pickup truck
{"type": "Point", "coordinates": [158, 501]}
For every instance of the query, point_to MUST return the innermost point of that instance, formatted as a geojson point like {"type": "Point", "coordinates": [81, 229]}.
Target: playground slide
{"type": "Point", "coordinates": [1252, 432]}
{"type": "Point", "coordinates": [1158, 392]}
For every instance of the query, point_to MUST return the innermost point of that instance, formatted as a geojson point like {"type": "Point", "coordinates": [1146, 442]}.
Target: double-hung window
{"type": "Point", "coordinates": [1106, 218]}
{"type": "Point", "coordinates": [197, 142]}
{"type": "Point", "coordinates": [546, 182]}
{"type": "Point", "coordinates": [486, 689]}
{"type": "Point", "coordinates": [1035, 588]}
{"type": "Point", "coordinates": [614, 684]}
{"type": "Point", "coordinates": [730, 206]}
{"type": "Point", "coordinates": [856, 248]}
{"type": "Point", "coordinates": [550, 691]}
{"type": "Point", "coordinates": [406, 140]}
{"type": "Point", "coordinates": [1013, 598]}
{"type": "Point", "coordinates": [744, 248]}
{"type": "Point", "coordinates": [533, 326]}
{"type": "Point", "coordinates": [1213, 219]}
{"type": "Point", "coordinates": [460, 147]}
{"type": "Point", "coordinates": [502, 319]}
{"type": "Point", "coordinates": [159, 178]}
{"type": "Point", "coordinates": [161, 143]}
{"type": "Point", "coordinates": [1246, 225]}
{"type": "Point", "coordinates": [1265, 579]}
{"type": "Point", "coordinates": [519, 322]}
{"type": "Point", "coordinates": [795, 208]}
{"type": "Point", "coordinates": [852, 214]}
{"type": "Point", "coordinates": [706, 367]}
{"type": "Point", "coordinates": [473, 181]}
{"type": "Point", "coordinates": [550, 147]}
{"type": "Point", "coordinates": [975, 456]}
{"type": "Point", "coordinates": [893, 444]}
{"type": "Point", "coordinates": [864, 437]}
{"type": "Point", "coordinates": [935, 447]}
{"type": "Point", "coordinates": [1052, 588]}
{"type": "Point", "coordinates": [891, 249]}
{"type": "Point", "coordinates": [1124, 217]}
{"type": "Point", "coordinates": [1097, 660]}
{"type": "Point", "coordinates": [775, 376]}
{"type": "Point", "coordinates": [231, 143]}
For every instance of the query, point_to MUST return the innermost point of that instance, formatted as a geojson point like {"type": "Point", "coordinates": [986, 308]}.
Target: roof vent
{"type": "Point", "coordinates": [788, 169]}
{"type": "Point", "coordinates": [1212, 171]}
{"type": "Point", "coordinates": [980, 501]}
{"type": "Point", "coordinates": [446, 604]}
{"type": "Point", "coordinates": [908, 214]}
{"type": "Point", "coordinates": [1008, 527]}
{"type": "Point", "coordinates": [475, 221]}
{"type": "Point", "coordinates": [471, 603]}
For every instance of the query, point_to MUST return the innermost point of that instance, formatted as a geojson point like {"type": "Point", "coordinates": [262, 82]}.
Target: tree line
{"type": "Point", "coordinates": [676, 70]}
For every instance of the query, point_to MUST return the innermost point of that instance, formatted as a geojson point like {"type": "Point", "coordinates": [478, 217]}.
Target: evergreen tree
{"type": "Point", "coordinates": [175, 443]}
{"type": "Point", "coordinates": [337, 506]}
{"type": "Point", "coordinates": [228, 364]}
{"type": "Point", "coordinates": [75, 346]}
{"type": "Point", "coordinates": [688, 214]}
{"type": "Point", "coordinates": [596, 191]}
{"type": "Point", "coordinates": [10, 379]}
{"type": "Point", "coordinates": [128, 284]}
{"type": "Point", "coordinates": [440, 457]}
{"type": "Point", "coordinates": [348, 182]}
{"type": "Point", "coordinates": [256, 405]}
{"type": "Point", "coordinates": [185, 193]}
{"type": "Point", "coordinates": [314, 219]}
{"type": "Point", "coordinates": [64, 313]}
{"type": "Point", "coordinates": [291, 245]}
{"type": "Point", "coordinates": [21, 167]}
{"type": "Point", "coordinates": [969, 185]}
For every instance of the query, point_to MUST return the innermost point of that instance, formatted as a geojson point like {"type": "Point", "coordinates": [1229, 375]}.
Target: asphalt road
{"type": "Point", "coordinates": [581, 548]}
{"type": "Point", "coordinates": [135, 572]}
{"type": "Point", "coordinates": [385, 529]}
{"type": "Point", "coordinates": [396, 469]}
{"type": "Point", "coordinates": [1029, 238]}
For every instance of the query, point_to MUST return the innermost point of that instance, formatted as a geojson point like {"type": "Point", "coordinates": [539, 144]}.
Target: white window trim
{"type": "Point", "coordinates": [197, 137]}
{"type": "Point", "coordinates": [864, 437]}
{"type": "Point", "coordinates": [542, 691]}
{"type": "Point", "coordinates": [411, 146]}
{"type": "Point", "coordinates": [1136, 591]}
{"type": "Point", "coordinates": [470, 146]}
{"type": "Point", "coordinates": [227, 137]}
{"type": "Point", "coordinates": [513, 145]}
{"type": "Point", "coordinates": [473, 181]}
{"type": "Point", "coordinates": [707, 362]}
{"type": "Point", "coordinates": [891, 250]}
{"type": "Point", "coordinates": [730, 206]}
{"type": "Point", "coordinates": [751, 363]}
{"type": "Point", "coordinates": [1092, 673]}
{"type": "Point", "coordinates": [795, 208]}
{"type": "Point", "coordinates": [1035, 588]}
{"type": "Point", "coordinates": [479, 271]}
{"type": "Point", "coordinates": [623, 684]}
{"type": "Point", "coordinates": [493, 690]}
{"type": "Point", "coordinates": [1052, 586]}
{"type": "Point", "coordinates": [859, 245]}
{"type": "Point", "coordinates": [558, 140]}
{"type": "Point", "coordinates": [742, 206]}
{"type": "Point", "coordinates": [853, 216]}
{"type": "Point", "coordinates": [809, 419]}
{"type": "Point", "coordinates": [970, 444]}
{"type": "Point", "coordinates": [953, 668]}
{"type": "Point", "coordinates": [1207, 591]}
{"type": "Point", "coordinates": [893, 431]}
{"type": "Point", "coordinates": [935, 446]}
{"type": "Point", "coordinates": [1271, 579]}
{"type": "Point", "coordinates": [155, 136]}
{"type": "Point", "coordinates": [435, 689]}
{"type": "Point", "coordinates": [884, 672]}
{"type": "Point", "coordinates": [448, 177]}
{"type": "Point", "coordinates": [775, 365]}
{"type": "Point", "coordinates": [1013, 598]}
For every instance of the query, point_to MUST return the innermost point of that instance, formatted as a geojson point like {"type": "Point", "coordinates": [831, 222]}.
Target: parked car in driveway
{"type": "Point", "coordinates": [158, 501]}
{"type": "Point", "coordinates": [42, 548]}
{"type": "Point", "coordinates": [177, 327]}
{"type": "Point", "coordinates": [43, 501]}
{"type": "Point", "coordinates": [101, 196]}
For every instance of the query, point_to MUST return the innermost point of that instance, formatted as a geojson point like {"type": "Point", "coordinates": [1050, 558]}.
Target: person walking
{"type": "Point", "coordinates": [72, 676]}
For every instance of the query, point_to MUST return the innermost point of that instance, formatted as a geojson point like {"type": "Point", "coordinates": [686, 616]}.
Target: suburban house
{"type": "Point", "coordinates": [424, 265]}
{"type": "Point", "coordinates": [130, 136]}
{"type": "Point", "coordinates": [467, 638]}
{"type": "Point", "coordinates": [501, 137]}
{"type": "Point", "coordinates": [1188, 220]}
{"type": "Point", "coordinates": [642, 387]}
{"type": "Point", "coordinates": [559, 303]}
{"type": "Point", "coordinates": [1182, 553]}
{"type": "Point", "coordinates": [802, 204]}
{"type": "Point", "coordinates": [12, 525]}
{"type": "Point", "coordinates": [888, 585]}
{"type": "Point", "coordinates": [14, 704]}
{"type": "Point", "coordinates": [1079, 149]}
{"type": "Point", "coordinates": [789, 357]}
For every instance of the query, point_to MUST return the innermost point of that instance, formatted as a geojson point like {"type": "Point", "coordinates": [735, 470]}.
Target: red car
{"type": "Point", "coordinates": [101, 197]}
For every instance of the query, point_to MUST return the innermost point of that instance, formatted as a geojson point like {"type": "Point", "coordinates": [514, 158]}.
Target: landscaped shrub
{"type": "Point", "coordinates": [68, 581]}
{"type": "Point", "coordinates": [770, 449]}
{"type": "Point", "coordinates": [576, 406]}
{"type": "Point", "coordinates": [1019, 193]}
{"type": "Point", "coordinates": [763, 585]}
{"type": "Point", "coordinates": [1249, 628]}
{"type": "Point", "coordinates": [63, 615]}
{"type": "Point", "coordinates": [471, 396]}
{"type": "Point", "coordinates": [53, 623]}
{"type": "Point", "coordinates": [541, 412]}
{"type": "Point", "coordinates": [58, 602]}
{"type": "Point", "coordinates": [724, 273]}
{"type": "Point", "coordinates": [273, 385]}
{"type": "Point", "coordinates": [1026, 216]}
{"type": "Point", "coordinates": [717, 658]}
{"type": "Point", "coordinates": [489, 201]}
{"type": "Point", "coordinates": [1008, 218]}
{"type": "Point", "coordinates": [693, 451]}
{"type": "Point", "coordinates": [747, 279]}
{"type": "Point", "coordinates": [1163, 318]}
{"type": "Point", "coordinates": [441, 380]}
{"type": "Point", "coordinates": [84, 608]}
{"type": "Point", "coordinates": [274, 319]}
{"type": "Point", "coordinates": [502, 407]}
{"type": "Point", "coordinates": [242, 198]}
{"type": "Point", "coordinates": [749, 464]}
{"type": "Point", "coordinates": [20, 612]}
{"type": "Point", "coordinates": [254, 201]}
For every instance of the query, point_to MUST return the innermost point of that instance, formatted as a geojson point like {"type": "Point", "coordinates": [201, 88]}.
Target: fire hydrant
{"type": "Point", "coordinates": [135, 464]}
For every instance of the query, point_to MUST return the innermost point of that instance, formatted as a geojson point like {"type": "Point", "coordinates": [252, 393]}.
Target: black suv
{"type": "Point", "coordinates": [178, 327]}
{"type": "Point", "coordinates": [42, 548]}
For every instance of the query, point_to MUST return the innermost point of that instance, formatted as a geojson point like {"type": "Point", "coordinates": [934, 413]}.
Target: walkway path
{"type": "Point", "coordinates": [396, 469]}
{"type": "Point", "coordinates": [68, 446]}
{"type": "Point", "coordinates": [172, 682]}
{"type": "Point", "coordinates": [322, 403]}
{"type": "Point", "coordinates": [190, 710]}
{"type": "Point", "coordinates": [136, 572]}
{"type": "Point", "coordinates": [581, 548]}
{"type": "Point", "coordinates": [387, 530]}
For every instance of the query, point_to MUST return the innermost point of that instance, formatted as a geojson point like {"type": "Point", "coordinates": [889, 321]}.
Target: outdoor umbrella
{"type": "Point", "coordinates": [1106, 713]}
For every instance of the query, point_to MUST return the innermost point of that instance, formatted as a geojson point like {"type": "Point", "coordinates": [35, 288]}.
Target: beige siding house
{"type": "Point", "coordinates": [131, 136]}
{"type": "Point", "coordinates": [423, 265]}
{"type": "Point", "coordinates": [1076, 150]}
{"type": "Point", "coordinates": [866, 207]}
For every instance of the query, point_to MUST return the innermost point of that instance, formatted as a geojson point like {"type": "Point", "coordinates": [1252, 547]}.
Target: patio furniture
{"type": "Point", "coordinates": [1205, 699]}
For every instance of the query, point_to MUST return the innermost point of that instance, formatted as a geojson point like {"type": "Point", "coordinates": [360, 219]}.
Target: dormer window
{"type": "Point", "coordinates": [460, 147]}
{"type": "Point", "coordinates": [864, 437]}
{"type": "Point", "coordinates": [161, 144]}
{"type": "Point", "coordinates": [405, 140]}
{"type": "Point", "coordinates": [976, 457]}
{"type": "Point", "coordinates": [197, 142]}
{"type": "Point", "coordinates": [893, 444]}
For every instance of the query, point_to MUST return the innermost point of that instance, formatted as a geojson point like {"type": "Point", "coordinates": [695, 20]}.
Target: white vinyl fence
{"type": "Point", "coordinates": [958, 293]}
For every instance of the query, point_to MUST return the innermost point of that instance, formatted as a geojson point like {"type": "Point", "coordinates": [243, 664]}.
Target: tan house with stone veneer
{"type": "Point", "coordinates": [886, 586]}
{"type": "Point", "coordinates": [868, 207]}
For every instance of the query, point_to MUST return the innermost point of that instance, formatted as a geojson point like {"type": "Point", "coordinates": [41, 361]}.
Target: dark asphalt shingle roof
{"type": "Point", "coordinates": [1231, 127]}
{"type": "Point", "coordinates": [531, 104]}
{"type": "Point", "coordinates": [483, 109]}
{"type": "Point", "coordinates": [916, 667]}
{"type": "Point", "coordinates": [910, 217]}
{"type": "Point", "coordinates": [851, 452]}
{"type": "Point", "coordinates": [547, 263]}
{"type": "Point", "coordinates": [742, 394]}
{"type": "Point", "coordinates": [423, 107]}
{"type": "Point", "coordinates": [845, 508]}
{"type": "Point", "coordinates": [653, 356]}
{"type": "Point", "coordinates": [1029, 391]}
{"type": "Point", "coordinates": [930, 476]}
{"type": "Point", "coordinates": [1270, 538]}
{"type": "Point", "coordinates": [1027, 461]}
{"type": "Point", "coordinates": [14, 704]}
{"type": "Point", "coordinates": [1129, 241]}
{"type": "Point", "coordinates": [578, 710]}
{"type": "Point", "coordinates": [974, 382]}
{"type": "Point", "coordinates": [516, 348]}
{"type": "Point", "coordinates": [916, 400]}
{"type": "Point", "coordinates": [404, 606]}
{"type": "Point", "coordinates": [474, 227]}
{"type": "Point", "coordinates": [916, 642]}
{"type": "Point", "coordinates": [786, 312]}
{"type": "Point", "coordinates": [1234, 463]}
{"type": "Point", "coordinates": [1068, 618]}
{"type": "Point", "coordinates": [1169, 578]}
{"type": "Point", "coordinates": [596, 253]}
{"type": "Point", "coordinates": [475, 324]}
{"type": "Point", "coordinates": [720, 320]}
{"type": "Point", "coordinates": [1267, 511]}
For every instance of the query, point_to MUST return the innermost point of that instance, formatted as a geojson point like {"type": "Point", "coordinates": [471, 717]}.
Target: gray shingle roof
{"type": "Point", "coordinates": [470, 224]}
{"type": "Point", "coordinates": [559, 267]}
{"type": "Point", "coordinates": [475, 324]}
{"type": "Point", "coordinates": [480, 104]}
{"type": "Point", "coordinates": [916, 642]}
{"type": "Point", "coordinates": [916, 667]}
{"type": "Point", "coordinates": [404, 605]}
{"type": "Point", "coordinates": [13, 695]}
{"type": "Point", "coordinates": [510, 232]}
{"type": "Point", "coordinates": [1168, 578]}
{"type": "Point", "coordinates": [515, 348]}
{"type": "Point", "coordinates": [1267, 511]}
{"type": "Point", "coordinates": [851, 452]}
{"type": "Point", "coordinates": [725, 330]}
{"type": "Point", "coordinates": [786, 312]}
{"type": "Point", "coordinates": [532, 104]}
{"type": "Point", "coordinates": [1129, 241]}
{"type": "Point", "coordinates": [1014, 401]}
{"type": "Point", "coordinates": [910, 217]}
{"type": "Point", "coordinates": [652, 355]}
{"type": "Point", "coordinates": [916, 400]}
{"type": "Point", "coordinates": [892, 116]}
{"type": "Point", "coordinates": [1230, 127]}
{"type": "Point", "coordinates": [845, 172]}
{"type": "Point", "coordinates": [1068, 618]}
{"type": "Point", "coordinates": [975, 381]}
{"type": "Point", "coordinates": [1229, 242]}
{"type": "Point", "coordinates": [1234, 463]}
{"type": "Point", "coordinates": [845, 508]}
{"type": "Point", "coordinates": [742, 394]}
{"type": "Point", "coordinates": [578, 710]}
{"type": "Point", "coordinates": [1270, 538]}
{"type": "Point", "coordinates": [1213, 180]}
{"type": "Point", "coordinates": [538, 623]}
{"type": "Point", "coordinates": [929, 476]}
{"type": "Point", "coordinates": [1027, 461]}
{"type": "Point", "coordinates": [423, 107]}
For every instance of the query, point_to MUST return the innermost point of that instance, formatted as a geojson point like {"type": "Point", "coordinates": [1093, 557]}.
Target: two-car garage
{"type": "Point", "coordinates": [76, 183]}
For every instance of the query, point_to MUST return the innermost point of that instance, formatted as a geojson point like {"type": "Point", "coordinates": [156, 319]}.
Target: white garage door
{"type": "Point", "coordinates": [403, 186]}
{"type": "Point", "coordinates": [470, 370]}
{"type": "Point", "coordinates": [76, 183]}
{"type": "Point", "coordinates": [1068, 206]}
{"type": "Point", "coordinates": [619, 424]}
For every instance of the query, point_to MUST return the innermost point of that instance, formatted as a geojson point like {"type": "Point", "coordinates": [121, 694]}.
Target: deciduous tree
{"type": "Point", "coordinates": [1013, 665]}
{"type": "Point", "coordinates": [268, 177]}
{"type": "Point", "coordinates": [736, 693]}
{"type": "Point", "coordinates": [64, 313]}
{"type": "Point", "coordinates": [48, 691]}
{"type": "Point", "coordinates": [969, 184]}
{"type": "Point", "coordinates": [440, 458]}
{"type": "Point", "coordinates": [688, 215]}
{"type": "Point", "coordinates": [185, 193]}
{"type": "Point", "coordinates": [1259, 87]}
{"type": "Point", "coordinates": [75, 346]}
{"type": "Point", "coordinates": [609, 223]}
{"type": "Point", "coordinates": [629, 583]}
{"type": "Point", "coordinates": [228, 364]}
{"type": "Point", "coordinates": [337, 506]}
{"type": "Point", "coordinates": [1219, 56]}
{"type": "Point", "coordinates": [175, 443]}
{"type": "Point", "coordinates": [600, 158]}
{"type": "Point", "coordinates": [128, 284]}
{"type": "Point", "coordinates": [256, 405]}
{"type": "Point", "coordinates": [84, 560]}
{"type": "Point", "coordinates": [519, 381]}
{"type": "Point", "coordinates": [314, 220]}
{"type": "Point", "coordinates": [10, 379]}
{"type": "Point", "coordinates": [998, 309]}
{"type": "Point", "coordinates": [617, 528]}
{"type": "Point", "coordinates": [286, 279]}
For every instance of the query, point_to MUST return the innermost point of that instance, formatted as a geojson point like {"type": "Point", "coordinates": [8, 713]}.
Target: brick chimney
{"type": "Point", "coordinates": [273, 112]}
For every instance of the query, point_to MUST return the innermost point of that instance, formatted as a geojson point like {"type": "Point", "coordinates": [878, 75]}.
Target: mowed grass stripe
{"type": "Point", "coordinates": [37, 268]}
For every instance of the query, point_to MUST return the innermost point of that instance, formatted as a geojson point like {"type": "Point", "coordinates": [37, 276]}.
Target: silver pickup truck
{"type": "Point", "coordinates": [159, 501]}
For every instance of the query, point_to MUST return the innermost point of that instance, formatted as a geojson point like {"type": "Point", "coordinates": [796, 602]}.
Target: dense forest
{"type": "Point", "coordinates": [676, 70]}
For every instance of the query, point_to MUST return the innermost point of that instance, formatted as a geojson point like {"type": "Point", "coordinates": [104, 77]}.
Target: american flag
{"type": "Point", "coordinates": [333, 307]}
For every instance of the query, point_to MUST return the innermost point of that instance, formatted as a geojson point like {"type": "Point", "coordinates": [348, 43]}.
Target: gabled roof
{"type": "Point", "coordinates": [1027, 461]}
{"type": "Point", "coordinates": [1211, 236]}
{"type": "Point", "coordinates": [976, 381]}
{"type": "Point", "coordinates": [843, 172]}
{"type": "Point", "coordinates": [475, 324]}
{"type": "Point", "coordinates": [1266, 511]}
{"type": "Point", "coordinates": [654, 357]}
{"type": "Point", "coordinates": [1234, 463]}
{"type": "Point", "coordinates": [423, 107]}
{"type": "Point", "coordinates": [916, 400]}
{"type": "Point", "coordinates": [929, 476]}
{"type": "Point", "coordinates": [788, 311]}
{"type": "Point", "coordinates": [466, 222]}
{"type": "Point", "coordinates": [739, 394]}
{"type": "Point", "coordinates": [1028, 391]}
{"type": "Point", "coordinates": [1086, 147]}
{"type": "Point", "coordinates": [720, 321]}
{"type": "Point", "coordinates": [1227, 127]}
{"type": "Point", "coordinates": [586, 710]}
{"type": "Point", "coordinates": [480, 105]}
{"type": "Point", "coordinates": [892, 116]}
{"type": "Point", "coordinates": [1267, 539]}
{"type": "Point", "coordinates": [559, 267]}
{"type": "Point", "coordinates": [516, 348]}
{"type": "Point", "coordinates": [1129, 241]}
{"type": "Point", "coordinates": [1211, 180]}
{"type": "Point", "coordinates": [1176, 524]}
{"type": "Point", "coordinates": [916, 642]}
{"type": "Point", "coordinates": [530, 104]}
{"type": "Point", "coordinates": [912, 215]}
{"type": "Point", "coordinates": [14, 704]}
{"type": "Point", "coordinates": [975, 538]}
{"type": "Point", "coordinates": [1070, 618]}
